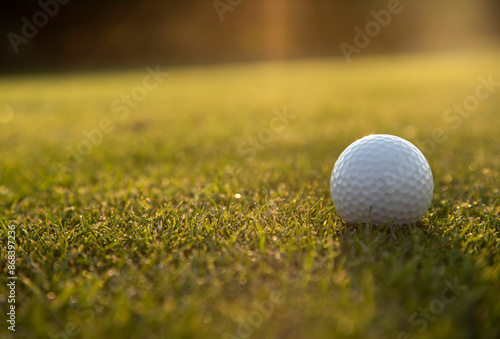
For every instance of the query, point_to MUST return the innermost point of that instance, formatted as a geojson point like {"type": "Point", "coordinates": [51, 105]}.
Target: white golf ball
{"type": "Point", "coordinates": [381, 178]}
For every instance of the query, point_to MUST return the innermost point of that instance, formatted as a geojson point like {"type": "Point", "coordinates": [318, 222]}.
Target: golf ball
{"type": "Point", "coordinates": [381, 178]}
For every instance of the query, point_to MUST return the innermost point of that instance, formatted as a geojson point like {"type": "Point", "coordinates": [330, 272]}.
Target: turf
{"type": "Point", "coordinates": [175, 225]}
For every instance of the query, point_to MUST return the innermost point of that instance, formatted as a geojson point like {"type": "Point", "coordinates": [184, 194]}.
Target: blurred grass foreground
{"type": "Point", "coordinates": [193, 202]}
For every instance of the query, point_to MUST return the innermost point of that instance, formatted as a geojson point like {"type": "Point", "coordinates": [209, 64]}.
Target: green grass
{"type": "Point", "coordinates": [172, 227]}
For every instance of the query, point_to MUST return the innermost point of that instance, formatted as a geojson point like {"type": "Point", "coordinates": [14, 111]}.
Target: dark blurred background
{"type": "Point", "coordinates": [86, 34]}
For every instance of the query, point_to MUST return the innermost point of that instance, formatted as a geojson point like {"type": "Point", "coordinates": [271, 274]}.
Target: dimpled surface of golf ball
{"type": "Point", "coordinates": [381, 178]}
